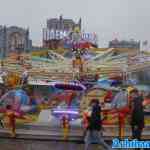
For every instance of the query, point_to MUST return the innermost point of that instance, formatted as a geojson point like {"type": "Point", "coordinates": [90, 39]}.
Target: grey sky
{"type": "Point", "coordinates": [109, 18]}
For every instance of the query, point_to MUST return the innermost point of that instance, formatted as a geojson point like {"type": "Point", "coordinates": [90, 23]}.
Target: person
{"type": "Point", "coordinates": [24, 77]}
{"type": "Point", "coordinates": [1, 122]}
{"type": "Point", "coordinates": [137, 114]}
{"type": "Point", "coordinates": [4, 75]}
{"type": "Point", "coordinates": [93, 131]}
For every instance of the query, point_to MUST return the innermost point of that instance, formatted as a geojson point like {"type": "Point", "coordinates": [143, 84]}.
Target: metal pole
{"type": "Point", "coordinates": [4, 43]}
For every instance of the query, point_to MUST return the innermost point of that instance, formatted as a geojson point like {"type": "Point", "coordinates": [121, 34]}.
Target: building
{"type": "Point", "coordinates": [14, 39]}
{"type": "Point", "coordinates": [62, 24]}
{"type": "Point", "coordinates": [57, 31]}
{"type": "Point", "coordinates": [132, 44]}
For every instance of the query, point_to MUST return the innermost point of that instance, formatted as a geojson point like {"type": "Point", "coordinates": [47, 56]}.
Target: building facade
{"type": "Point", "coordinates": [62, 24]}
{"type": "Point", "coordinates": [58, 30]}
{"type": "Point", "coordinates": [132, 44]}
{"type": "Point", "coordinates": [14, 39]}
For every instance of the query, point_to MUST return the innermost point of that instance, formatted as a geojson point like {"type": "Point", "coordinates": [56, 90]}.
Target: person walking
{"type": "Point", "coordinates": [137, 114]}
{"type": "Point", "coordinates": [93, 131]}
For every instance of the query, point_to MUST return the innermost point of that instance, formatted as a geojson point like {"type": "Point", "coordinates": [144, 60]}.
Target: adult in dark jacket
{"type": "Point", "coordinates": [137, 116]}
{"type": "Point", "coordinates": [93, 134]}
{"type": "Point", "coordinates": [95, 118]}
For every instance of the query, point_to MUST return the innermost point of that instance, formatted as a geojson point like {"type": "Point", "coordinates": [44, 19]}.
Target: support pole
{"type": "Point", "coordinates": [121, 125]}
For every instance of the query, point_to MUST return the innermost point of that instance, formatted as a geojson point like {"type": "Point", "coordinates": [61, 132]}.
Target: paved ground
{"type": "Point", "coordinates": [13, 144]}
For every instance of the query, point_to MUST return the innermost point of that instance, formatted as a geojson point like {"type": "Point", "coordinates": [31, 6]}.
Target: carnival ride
{"type": "Point", "coordinates": [60, 97]}
{"type": "Point", "coordinates": [58, 72]}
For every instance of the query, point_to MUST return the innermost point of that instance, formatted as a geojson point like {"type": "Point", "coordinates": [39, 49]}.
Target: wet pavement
{"type": "Point", "coordinates": [14, 144]}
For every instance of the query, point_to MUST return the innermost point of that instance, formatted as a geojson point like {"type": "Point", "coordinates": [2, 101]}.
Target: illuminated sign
{"type": "Point", "coordinates": [54, 34]}
{"type": "Point", "coordinates": [89, 37]}
{"type": "Point", "coordinates": [69, 36]}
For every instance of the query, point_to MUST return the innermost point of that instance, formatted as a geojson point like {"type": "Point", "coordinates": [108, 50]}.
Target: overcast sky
{"type": "Point", "coordinates": [125, 19]}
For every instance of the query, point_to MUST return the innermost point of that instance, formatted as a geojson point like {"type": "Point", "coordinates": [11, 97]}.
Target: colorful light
{"type": "Point", "coordinates": [66, 112]}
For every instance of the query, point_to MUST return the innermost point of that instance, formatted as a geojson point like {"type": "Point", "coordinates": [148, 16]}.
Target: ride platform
{"type": "Point", "coordinates": [43, 131]}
